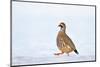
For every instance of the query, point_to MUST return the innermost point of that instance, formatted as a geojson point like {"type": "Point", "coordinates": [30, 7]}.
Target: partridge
{"type": "Point", "coordinates": [64, 43]}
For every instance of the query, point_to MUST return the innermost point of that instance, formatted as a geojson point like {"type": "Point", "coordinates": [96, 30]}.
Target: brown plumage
{"type": "Point", "coordinates": [64, 43]}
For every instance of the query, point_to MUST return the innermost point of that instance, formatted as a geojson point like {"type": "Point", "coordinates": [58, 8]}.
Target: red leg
{"type": "Point", "coordinates": [59, 53]}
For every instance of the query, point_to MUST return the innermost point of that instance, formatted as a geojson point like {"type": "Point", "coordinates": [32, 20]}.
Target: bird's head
{"type": "Point", "coordinates": [62, 26]}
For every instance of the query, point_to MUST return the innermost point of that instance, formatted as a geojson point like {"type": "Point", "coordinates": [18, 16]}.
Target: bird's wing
{"type": "Point", "coordinates": [68, 41]}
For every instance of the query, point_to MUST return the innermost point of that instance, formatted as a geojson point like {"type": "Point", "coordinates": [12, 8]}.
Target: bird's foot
{"type": "Point", "coordinates": [68, 54]}
{"type": "Point", "coordinates": [58, 53]}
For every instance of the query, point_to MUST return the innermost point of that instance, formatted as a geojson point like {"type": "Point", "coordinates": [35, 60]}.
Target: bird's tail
{"type": "Point", "coordinates": [76, 51]}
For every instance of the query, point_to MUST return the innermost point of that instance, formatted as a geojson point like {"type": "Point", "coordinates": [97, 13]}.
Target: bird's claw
{"type": "Point", "coordinates": [58, 53]}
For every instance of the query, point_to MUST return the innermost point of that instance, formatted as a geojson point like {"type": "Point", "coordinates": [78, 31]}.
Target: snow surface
{"type": "Point", "coordinates": [34, 31]}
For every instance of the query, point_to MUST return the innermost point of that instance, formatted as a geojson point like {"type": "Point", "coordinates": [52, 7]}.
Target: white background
{"type": "Point", "coordinates": [5, 32]}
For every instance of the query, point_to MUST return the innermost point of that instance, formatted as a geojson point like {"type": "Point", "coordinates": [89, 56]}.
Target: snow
{"type": "Point", "coordinates": [26, 60]}
{"type": "Point", "coordinates": [34, 31]}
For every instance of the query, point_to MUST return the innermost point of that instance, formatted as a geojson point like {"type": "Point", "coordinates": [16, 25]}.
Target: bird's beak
{"type": "Point", "coordinates": [59, 25]}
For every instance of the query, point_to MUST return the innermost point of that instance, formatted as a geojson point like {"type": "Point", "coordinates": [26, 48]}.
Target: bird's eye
{"type": "Point", "coordinates": [61, 26]}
